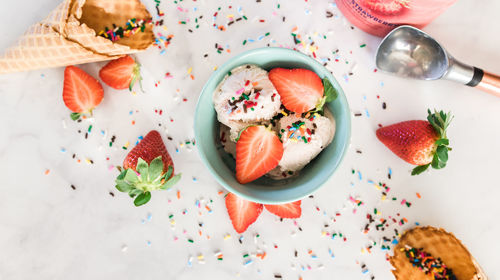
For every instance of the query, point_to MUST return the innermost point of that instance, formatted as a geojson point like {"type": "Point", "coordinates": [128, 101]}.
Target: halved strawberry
{"type": "Point", "coordinates": [387, 7]}
{"type": "Point", "coordinates": [288, 210]}
{"type": "Point", "coordinates": [300, 90]}
{"type": "Point", "coordinates": [81, 92]}
{"type": "Point", "coordinates": [121, 73]}
{"type": "Point", "coordinates": [147, 167]}
{"type": "Point", "coordinates": [258, 151]}
{"type": "Point", "coordinates": [242, 212]}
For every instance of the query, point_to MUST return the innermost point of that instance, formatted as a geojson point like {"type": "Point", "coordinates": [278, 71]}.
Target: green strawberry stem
{"type": "Point", "coordinates": [75, 116]}
{"type": "Point", "coordinates": [146, 178]}
{"type": "Point", "coordinates": [136, 76]}
{"type": "Point", "coordinates": [440, 122]}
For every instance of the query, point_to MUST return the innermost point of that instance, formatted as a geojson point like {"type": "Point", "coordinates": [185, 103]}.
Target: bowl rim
{"type": "Point", "coordinates": [220, 179]}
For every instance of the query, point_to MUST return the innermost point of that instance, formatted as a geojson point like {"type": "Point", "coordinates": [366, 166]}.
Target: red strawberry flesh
{"type": "Point", "coordinates": [258, 151]}
{"type": "Point", "coordinates": [81, 92]}
{"type": "Point", "coordinates": [148, 149]}
{"type": "Point", "coordinates": [118, 73]}
{"type": "Point", "coordinates": [288, 210]}
{"type": "Point", "coordinates": [242, 212]}
{"type": "Point", "coordinates": [413, 141]}
{"type": "Point", "coordinates": [300, 89]}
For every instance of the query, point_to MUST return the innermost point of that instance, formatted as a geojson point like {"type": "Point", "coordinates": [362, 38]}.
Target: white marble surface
{"type": "Point", "coordinates": [50, 231]}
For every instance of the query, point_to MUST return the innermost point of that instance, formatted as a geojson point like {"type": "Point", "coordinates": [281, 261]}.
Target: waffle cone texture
{"type": "Point", "coordinates": [438, 243]}
{"type": "Point", "coordinates": [68, 35]}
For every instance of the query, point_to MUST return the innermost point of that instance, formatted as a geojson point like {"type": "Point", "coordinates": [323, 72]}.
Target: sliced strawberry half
{"type": "Point", "coordinates": [300, 90]}
{"type": "Point", "coordinates": [121, 73]}
{"type": "Point", "coordinates": [258, 151]}
{"type": "Point", "coordinates": [387, 7]}
{"type": "Point", "coordinates": [242, 212]}
{"type": "Point", "coordinates": [81, 92]}
{"type": "Point", "coordinates": [289, 210]}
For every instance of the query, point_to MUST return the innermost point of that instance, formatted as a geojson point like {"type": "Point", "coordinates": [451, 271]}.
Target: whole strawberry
{"type": "Point", "coordinates": [147, 167]}
{"type": "Point", "coordinates": [422, 143]}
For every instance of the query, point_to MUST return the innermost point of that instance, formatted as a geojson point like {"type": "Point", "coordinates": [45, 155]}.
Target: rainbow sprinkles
{"type": "Point", "coordinates": [131, 27]}
{"type": "Point", "coordinates": [428, 264]}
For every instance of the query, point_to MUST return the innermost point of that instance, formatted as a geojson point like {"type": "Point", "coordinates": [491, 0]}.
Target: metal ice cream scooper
{"type": "Point", "coordinates": [409, 52]}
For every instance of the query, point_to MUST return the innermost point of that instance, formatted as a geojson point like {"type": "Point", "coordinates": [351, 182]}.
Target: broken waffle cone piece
{"type": "Point", "coordinates": [70, 35]}
{"type": "Point", "coordinates": [436, 251]}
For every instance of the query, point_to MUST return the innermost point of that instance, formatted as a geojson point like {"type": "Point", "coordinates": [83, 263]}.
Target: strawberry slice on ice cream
{"type": "Point", "coordinates": [301, 90]}
{"type": "Point", "coordinates": [258, 151]}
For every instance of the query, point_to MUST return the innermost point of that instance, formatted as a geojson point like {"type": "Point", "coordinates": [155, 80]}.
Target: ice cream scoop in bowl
{"type": "Point", "coordinates": [266, 190]}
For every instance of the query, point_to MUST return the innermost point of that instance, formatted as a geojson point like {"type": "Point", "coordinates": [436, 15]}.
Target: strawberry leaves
{"type": "Point", "coordinates": [142, 198]}
{"type": "Point", "coordinates": [329, 94]}
{"type": "Point", "coordinates": [419, 169]}
{"type": "Point", "coordinates": [440, 122]}
{"type": "Point", "coordinates": [75, 116]}
{"type": "Point", "coordinates": [147, 178]}
{"type": "Point", "coordinates": [156, 168]}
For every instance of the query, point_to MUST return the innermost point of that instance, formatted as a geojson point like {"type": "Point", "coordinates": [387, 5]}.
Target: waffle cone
{"type": "Point", "coordinates": [68, 35]}
{"type": "Point", "coordinates": [438, 243]}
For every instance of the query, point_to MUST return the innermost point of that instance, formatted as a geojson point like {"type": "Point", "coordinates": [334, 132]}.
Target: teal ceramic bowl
{"type": "Point", "coordinates": [265, 190]}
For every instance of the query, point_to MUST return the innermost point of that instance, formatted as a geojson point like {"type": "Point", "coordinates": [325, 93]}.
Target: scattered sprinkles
{"type": "Point", "coordinates": [381, 230]}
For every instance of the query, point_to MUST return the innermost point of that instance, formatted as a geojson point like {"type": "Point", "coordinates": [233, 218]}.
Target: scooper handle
{"type": "Point", "coordinates": [486, 81]}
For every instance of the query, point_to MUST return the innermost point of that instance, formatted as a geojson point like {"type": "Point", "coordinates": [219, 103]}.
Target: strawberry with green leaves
{"type": "Point", "coordinates": [418, 142]}
{"type": "Point", "coordinates": [81, 92]}
{"type": "Point", "coordinates": [301, 90]}
{"type": "Point", "coordinates": [121, 73]}
{"type": "Point", "coordinates": [147, 167]}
